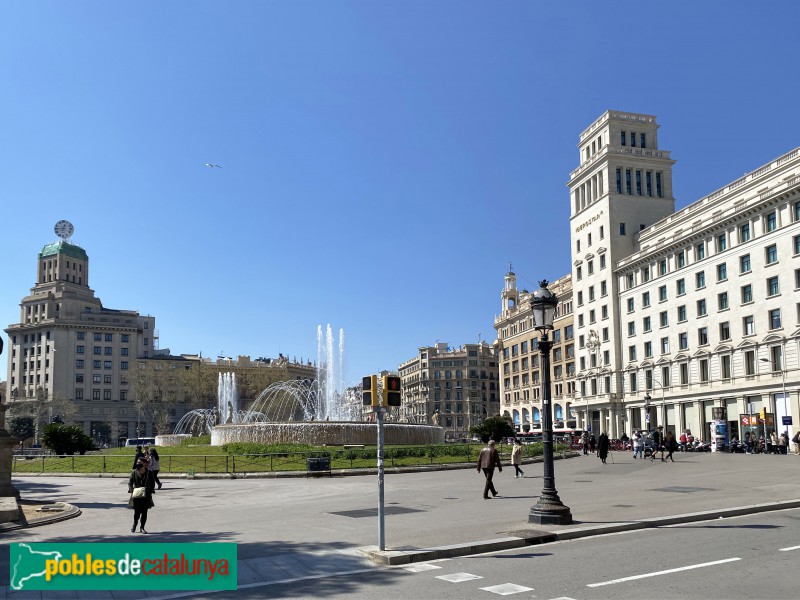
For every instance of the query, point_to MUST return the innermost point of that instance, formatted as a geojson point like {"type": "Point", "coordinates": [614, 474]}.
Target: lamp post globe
{"type": "Point", "coordinates": [549, 510]}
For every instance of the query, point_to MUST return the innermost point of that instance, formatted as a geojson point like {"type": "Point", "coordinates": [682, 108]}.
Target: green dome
{"type": "Point", "coordinates": [65, 248]}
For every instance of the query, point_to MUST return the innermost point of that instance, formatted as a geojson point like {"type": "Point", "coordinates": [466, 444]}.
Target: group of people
{"type": "Point", "coordinates": [142, 485]}
{"type": "Point", "coordinates": [772, 443]}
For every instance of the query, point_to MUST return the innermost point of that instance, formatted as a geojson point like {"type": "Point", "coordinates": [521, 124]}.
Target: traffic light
{"type": "Point", "coordinates": [763, 414]}
{"type": "Point", "coordinates": [369, 391]}
{"type": "Point", "coordinates": [391, 390]}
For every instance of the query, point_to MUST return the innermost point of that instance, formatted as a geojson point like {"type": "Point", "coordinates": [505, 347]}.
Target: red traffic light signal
{"type": "Point", "coordinates": [391, 390]}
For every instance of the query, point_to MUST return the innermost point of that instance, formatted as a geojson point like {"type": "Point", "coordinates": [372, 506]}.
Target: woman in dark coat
{"type": "Point", "coordinates": [602, 447]}
{"type": "Point", "coordinates": [141, 477]}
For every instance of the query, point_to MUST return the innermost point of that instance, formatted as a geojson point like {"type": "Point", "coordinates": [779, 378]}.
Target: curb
{"type": "Point", "coordinates": [70, 512]}
{"type": "Point", "coordinates": [404, 557]}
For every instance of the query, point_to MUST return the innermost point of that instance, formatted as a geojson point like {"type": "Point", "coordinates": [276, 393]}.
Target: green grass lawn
{"type": "Point", "coordinates": [213, 459]}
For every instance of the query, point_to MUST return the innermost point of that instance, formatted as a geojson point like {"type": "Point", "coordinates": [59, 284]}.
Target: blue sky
{"type": "Point", "coordinates": [382, 162]}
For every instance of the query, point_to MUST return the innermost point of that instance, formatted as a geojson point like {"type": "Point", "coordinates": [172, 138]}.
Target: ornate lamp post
{"type": "Point", "coordinates": [647, 399]}
{"type": "Point", "coordinates": [549, 510]}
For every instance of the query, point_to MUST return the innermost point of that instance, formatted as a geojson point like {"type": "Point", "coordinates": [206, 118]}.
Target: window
{"type": "Point", "coordinates": [109, 337]}
{"type": "Point", "coordinates": [725, 366]}
{"type": "Point", "coordinates": [747, 294]}
{"type": "Point", "coordinates": [775, 318]}
{"type": "Point", "coordinates": [722, 272]}
{"type": "Point", "coordinates": [701, 308]}
{"type": "Point", "coordinates": [631, 352]}
{"type": "Point", "coordinates": [108, 351]}
{"type": "Point", "coordinates": [79, 378]}
{"type": "Point", "coordinates": [744, 233]}
{"type": "Point", "coordinates": [592, 318]}
{"type": "Point", "coordinates": [724, 331]}
{"type": "Point", "coordinates": [78, 393]}
{"type": "Point", "coordinates": [580, 298]}
{"type": "Point", "coordinates": [106, 364]}
{"type": "Point", "coordinates": [602, 232]}
{"type": "Point", "coordinates": [603, 288]}
{"type": "Point", "coordinates": [680, 259]}
{"type": "Point", "coordinates": [631, 328]}
{"type": "Point", "coordinates": [95, 394]}
{"type": "Point", "coordinates": [681, 313]}
{"type": "Point", "coordinates": [750, 362]}
{"type": "Point", "coordinates": [632, 380]}
{"type": "Point", "coordinates": [638, 182]}
{"type": "Point", "coordinates": [700, 280]}
{"type": "Point", "coordinates": [722, 242]}
{"type": "Point", "coordinates": [591, 293]}
{"type": "Point", "coordinates": [630, 305]}
{"type": "Point", "coordinates": [106, 394]}
{"type": "Point", "coordinates": [700, 251]}
{"type": "Point", "coordinates": [602, 261]}
{"type": "Point", "coordinates": [744, 263]}
{"type": "Point", "coordinates": [648, 349]}
{"type": "Point", "coordinates": [683, 341]}
{"type": "Point", "coordinates": [684, 373]}
{"type": "Point", "coordinates": [79, 363]}
{"type": "Point", "coordinates": [662, 267]}
{"type": "Point", "coordinates": [81, 335]}
{"type": "Point", "coordinates": [630, 280]}
{"type": "Point", "coordinates": [98, 337]}
{"type": "Point", "coordinates": [748, 325]}
{"type": "Point", "coordinates": [664, 345]}
{"type": "Point", "coordinates": [124, 365]}
{"type": "Point", "coordinates": [97, 350]}
{"type": "Point", "coordinates": [646, 299]}
{"type": "Point", "coordinates": [641, 140]}
{"type": "Point", "coordinates": [722, 301]}
{"type": "Point", "coordinates": [646, 274]}
{"type": "Point", "coordinates": [95, 364]}
{"type": "Point", "coordinates": [680, 287]}
{"type": "Point", "coordinates": [658, 184]}
{"type": "Point", "coordinates": [771, 221]}
{"type": "Point", "coordinates": [622, 228]}
{"type": "Point", "coordinates": [796, 244]}
{"type": "Point", "coordinates": [80, 349]}
{"type": "Point", "coordinates": [702, 336]}
{"type": "Point", "coordinates": [646, 324]}
{"type": "Point", "coordinates": [590, 265]}
{"type": "Point", "coordinates": [628, 181]}
{"type": "Point", "coordinates": [125, 338]}
{"type": "Point", "coordinates": [771, 254]}
{"type": "Point", "coordinates": [704, 369]}
{"type": "Point", "coordinates": [619, 181]}
{"type": "Point", "coordinates": [663, 319]}
{"type": "Point", "coordinates": [662, 293]}
{"type": "Point", "coordinates": [622, 138]}
{"type": "Point", "coordinates": [123, 351]}
{"type": "Point", "coordinates": [96, 378]}
{"type": "Point", "coordinates": [578, 273]}
{"type": "Point", "coordinates": [773, 289]}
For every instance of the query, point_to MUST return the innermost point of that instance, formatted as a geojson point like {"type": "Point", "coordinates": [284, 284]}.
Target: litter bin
{"type": "Point", "coordinates": [316, 465]}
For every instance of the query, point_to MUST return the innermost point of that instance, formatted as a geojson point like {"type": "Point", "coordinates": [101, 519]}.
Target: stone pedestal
{"type": "Point", "coordinates": [8, 493]}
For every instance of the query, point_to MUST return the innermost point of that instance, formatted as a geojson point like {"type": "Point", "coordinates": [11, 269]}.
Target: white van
{"type": "Point", "coordinates": [133, 442]}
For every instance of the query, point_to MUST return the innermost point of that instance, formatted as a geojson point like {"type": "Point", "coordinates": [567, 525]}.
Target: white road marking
{"type": "Point", "coordinates": [421, 567]}
{"type": "Point", "coordinates": [787, 549]}
{"type": "Point", "coordinates": [458, 577]}
{"type": "Point", "coordinates": [668, 571]}
{"type": "Point", "coordinates": [506, 589]}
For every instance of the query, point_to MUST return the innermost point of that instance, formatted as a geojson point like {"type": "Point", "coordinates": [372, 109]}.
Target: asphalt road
{"type": "Point", "coordinates": [747, 558]}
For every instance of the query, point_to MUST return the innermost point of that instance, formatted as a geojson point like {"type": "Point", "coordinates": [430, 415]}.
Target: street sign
{"type": "Point", "coordinates": [746, 420]}
{"type": "Point", "coordinates": [786, 420]}
{"type": "Point", "coordinates": [647, 418]}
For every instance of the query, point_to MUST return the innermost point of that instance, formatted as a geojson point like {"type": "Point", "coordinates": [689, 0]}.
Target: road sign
{"type": "Point", "coordinates": [786, 420]}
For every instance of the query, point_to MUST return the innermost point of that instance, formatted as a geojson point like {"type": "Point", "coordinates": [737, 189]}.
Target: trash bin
{"type": "Point", "coordinates": [316, 465]}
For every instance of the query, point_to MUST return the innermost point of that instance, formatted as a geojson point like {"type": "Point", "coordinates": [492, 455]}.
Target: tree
{"type": "Point", "coordinates": [22, 427]}
{"type": "Point", "coordinates": [41, 408]}
{"type": "Point", "coordinates": [496, 428]}
{"type": "Point", "coordinates": [66, 439]}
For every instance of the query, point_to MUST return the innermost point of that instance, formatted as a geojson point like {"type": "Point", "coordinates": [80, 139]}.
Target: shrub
{"type": "Point", "coordinates": [200, 440]}
{"type": "Point", "coordinates": [66, 439]}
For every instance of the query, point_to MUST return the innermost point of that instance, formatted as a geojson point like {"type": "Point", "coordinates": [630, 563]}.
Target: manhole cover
{"type": "Point", "coordinates": [683, 490]}
{"type": "Point", "coordinates": [373, 512]}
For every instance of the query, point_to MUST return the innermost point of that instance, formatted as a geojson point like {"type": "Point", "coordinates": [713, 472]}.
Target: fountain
{"type": "Point", "coordinates": [298, 411]}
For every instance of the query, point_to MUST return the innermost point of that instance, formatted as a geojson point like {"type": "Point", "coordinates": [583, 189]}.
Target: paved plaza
{"type": "Point", "coordinates": [300, 528]}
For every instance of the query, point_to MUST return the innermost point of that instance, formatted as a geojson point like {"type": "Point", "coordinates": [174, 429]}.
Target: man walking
{"type": "Point", "coordinates": [488, 459]}
{"type": "Point", "coordinates": [658, 443]}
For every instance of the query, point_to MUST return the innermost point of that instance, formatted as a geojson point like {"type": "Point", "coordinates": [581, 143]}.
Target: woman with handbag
{"type": "Point", "coordinates": [140, 487]}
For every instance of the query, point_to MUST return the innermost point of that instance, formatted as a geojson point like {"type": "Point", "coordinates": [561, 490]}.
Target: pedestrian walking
{"type": "Point", "coordinates": [516, 459]}
{"type": "Point", "coordinates": [773, 438]}
{"type": "Point", "coordinates": [638, 445]}
{"type": "Point", "coordinates": [585, 442]}
{"type": "Point", "coordinates": [139, 456]}
{"type": "Point", "coordinates": [153, 465]}
{"type": "Point", "coordinates": [602, 447]}
{"type": "Point", "coordinates": [658, 443]}
{"type": "Point", "coordinates": [671, 445]}
{"type": "Point", "coordinates": [783, 443]}
{"type": "Point", "coordinates": [487, 461]}
{"type": "Point", "coordinates": [140, 487]}
{"type": "Point", "coordinates": [796, 442]}
{"type": "Point", "coordinates": [592, 443]}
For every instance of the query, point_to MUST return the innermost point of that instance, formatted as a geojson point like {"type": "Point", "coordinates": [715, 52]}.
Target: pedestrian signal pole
{"type": "Point", "coordinates": [371, 396]}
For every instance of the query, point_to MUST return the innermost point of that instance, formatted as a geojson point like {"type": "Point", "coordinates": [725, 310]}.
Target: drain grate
{"type": "Point", "coordinates": [373, 512]}
{"type": "Point", "coordinates": [677, 489]}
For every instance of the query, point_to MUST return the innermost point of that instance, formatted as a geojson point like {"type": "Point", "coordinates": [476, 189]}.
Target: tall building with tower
{"type": "Point", "coordinates": [69, 353]}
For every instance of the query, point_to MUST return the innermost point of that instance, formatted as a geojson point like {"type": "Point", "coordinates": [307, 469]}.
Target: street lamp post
{"type": "Point", "coordinates": [783, 391]}
{"type": "Point", "coordinates": [549, 510]}
{"type": "Point", "coordinates": [592, 344]}
{"type": "Point", "coordinates": [647, 399]}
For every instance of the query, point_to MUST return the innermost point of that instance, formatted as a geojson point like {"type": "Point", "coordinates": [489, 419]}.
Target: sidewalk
{"type": "Point", "coordinates": [314, 527]}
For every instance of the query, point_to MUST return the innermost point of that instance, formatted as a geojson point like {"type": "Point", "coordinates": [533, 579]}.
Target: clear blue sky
{"type": "Point", "coordinates": [382, 162]}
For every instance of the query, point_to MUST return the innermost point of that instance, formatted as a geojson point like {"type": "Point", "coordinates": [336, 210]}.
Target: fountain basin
{"type": "Point", "coordinates": [331, 433]}
{"type": "Point", "coordinates": [172, 439]}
